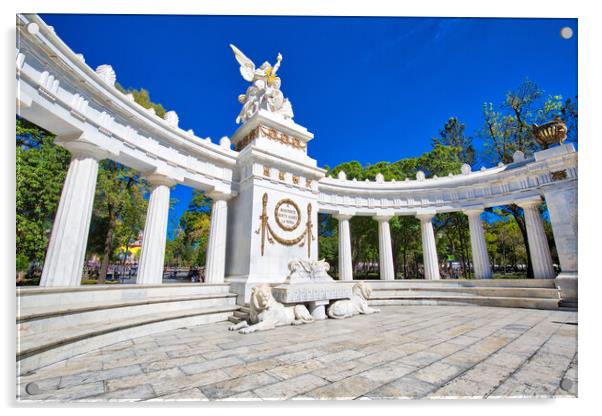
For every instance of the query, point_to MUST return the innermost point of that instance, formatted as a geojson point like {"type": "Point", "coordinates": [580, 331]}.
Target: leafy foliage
{"type": "Point", "coordinates": [41, 167]}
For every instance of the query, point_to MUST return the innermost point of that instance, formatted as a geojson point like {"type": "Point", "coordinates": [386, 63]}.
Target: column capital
{"type": "Point", "coordinates": [82, 150]}
{"type": "Point", "coordinates": [157, 179]}
{"type": "Point", "coordinates": [220, 196]}
{"type": "Point", "coordinates": [382, 217]}
{"type": "Point", "coordinates": [529, 203]}
{"type": "Point", "coordinates": [342, 216]}
{"type": "Point", "coordinates": [426, 215]}
{"type": "Point", "coordinates": [473, 211]}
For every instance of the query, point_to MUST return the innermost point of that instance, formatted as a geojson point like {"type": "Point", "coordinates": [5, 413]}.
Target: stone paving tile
{"type": "Point", "coordinates": [403, 352]}
{"type": "Point", "coordinates": [437, 373]}
{"type": "Point", "coordinates": [403, 388]}
{"type": "Point", "coordinates": [76, 392]}
{"type": "Point", "coordinates": [136, 393]}
{"type": "Point", "coordinates": [253, 367]}
{"type": "Point", "coordinates": [291, 387]}
{"type": "Point", "coordinates": [194, 394]}
{"type": "Point", "coordinates": [204, 366]}
{"type": "Point", "coordinates": [92, 376]}
{"type": "Point", "coordinates": [286, 371]}
{"type": "Point", "coordinates": [238, 385]}
{"type": "Point", "coordinates": [155, 377]}
{"type": "Point", "coordinates": [181, 383]}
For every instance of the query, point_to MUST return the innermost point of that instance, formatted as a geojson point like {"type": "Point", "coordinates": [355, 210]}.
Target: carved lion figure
{"type": "Point", "coordinates": [358, 304]}
{"type": "Point", "coordinates": [266, 313]}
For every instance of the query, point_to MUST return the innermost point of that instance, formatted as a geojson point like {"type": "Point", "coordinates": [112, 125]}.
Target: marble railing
{"type": "Point", "coordinates": [504, 184]}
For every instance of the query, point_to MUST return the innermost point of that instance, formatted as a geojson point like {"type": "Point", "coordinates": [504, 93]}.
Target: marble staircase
{"type": "Point", "coordinates": [54, 324]}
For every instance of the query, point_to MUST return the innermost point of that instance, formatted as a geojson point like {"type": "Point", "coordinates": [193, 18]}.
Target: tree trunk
{"type": "Point", "coordinates": [520, 220]}
{"type": "Point", "coordinates": [108, 248]}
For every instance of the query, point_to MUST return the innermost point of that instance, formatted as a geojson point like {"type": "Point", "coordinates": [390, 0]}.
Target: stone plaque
{"type": "Point", "coordinates": [287, 214]}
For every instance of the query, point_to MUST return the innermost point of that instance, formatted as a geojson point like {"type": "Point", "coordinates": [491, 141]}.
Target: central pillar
{"type": "Point", "coordinates": [387, 272]}
{"type": "Point", "coordinates": [152, 255]}
{"type": "Point", "coordinates": [480, 256]}
{"type": "Point", "coordinates": [64, 262]}
{"type": "Point", "coordinates": [216, 246]}
{"type": "Point", "coordinates": [541, 259]}
{"type": "Point", "coordinates": [345, 261]}
{"type": "Point", "coordinates": [429, 247]}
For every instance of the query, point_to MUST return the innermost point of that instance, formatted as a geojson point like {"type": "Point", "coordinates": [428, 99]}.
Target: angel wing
{"type": "Point", "coordinates": [247, 67]}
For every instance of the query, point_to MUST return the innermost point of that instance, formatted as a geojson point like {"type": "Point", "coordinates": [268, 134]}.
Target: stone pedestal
{"type": "Point", "coordinates": [480, 256]}
{"type": "Point", "coordinates": [64, 260]}
{"type": "Point", "coordinates": [273, 219]}
{"type": "Point", "coordinates": [429, 247]}
{"type": "Point", "coordinates": [345, 260]}
{"type": "Point", "coordinates": [541, 259]}
{"type": "Point", "coordinates": [318, 309]}
{"type": "Point", "coordinates": [152, 255]}
{"type": "Point", "coordinates": [387, 271]}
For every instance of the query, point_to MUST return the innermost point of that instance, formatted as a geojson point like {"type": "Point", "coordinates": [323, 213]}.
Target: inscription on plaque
{"type": "Point", "coordinates": [287, 214]}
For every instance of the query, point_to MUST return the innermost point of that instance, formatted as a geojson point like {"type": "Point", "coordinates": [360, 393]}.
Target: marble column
{"type": "Point", "coordinates": [429, 247]}
{"type": "Point", "coordinates": [345, 263]}
{"type": "Point", "coordinates": [541, 259]}
{"type": "Point", "coordinates": [64, 262]}
{"type": "Point", "coordinates": [562, 207]}
{"type": "Point", "coordinates": [152, 255]}
{"type": "Point", "coordinates": [216, 246]}
{"type": "Point", "coordinates": [385, 251]}
{"type": "Point", "coordinates": [480, 256]}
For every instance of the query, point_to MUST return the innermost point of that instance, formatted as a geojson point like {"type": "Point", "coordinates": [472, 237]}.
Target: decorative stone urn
{"type": "Point", "coordinates": [553, 132]}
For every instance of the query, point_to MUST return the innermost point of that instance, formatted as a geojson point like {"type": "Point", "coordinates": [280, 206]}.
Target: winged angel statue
{"type": "Point", "coordinates": [264, 91]}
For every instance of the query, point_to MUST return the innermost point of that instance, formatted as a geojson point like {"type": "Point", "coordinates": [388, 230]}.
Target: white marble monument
{"type": "Point", "coordinates": [273, 219]}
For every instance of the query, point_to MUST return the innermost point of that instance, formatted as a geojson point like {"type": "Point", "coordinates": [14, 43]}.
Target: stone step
{"type": "Point", "coordinates": [36, 300]}
{"type": "Point", "coordinates": [446, 283]}
{"type": "Point", "coordinates": [234, 319]}
{"type": "Point", "coordinates": [522, 292]}
{"type": "Point", "coordinates": [40, 350]}
{"type": "Point", "coordinates": [240, 314]}
{"type": "Point", "coordinates": [507, 302]}
{"type": "Point", "coordinates": [113, 313]}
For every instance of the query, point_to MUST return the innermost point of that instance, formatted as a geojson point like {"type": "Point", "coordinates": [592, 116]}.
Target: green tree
{"type": "Point", "coordinates": [119, 211]}
{"type": "Point", "coordinates": [142, 97]}
{"type": "Point", "coordinates": [41, 167]}
{"type": "Point", "coordinates": [452, 134]}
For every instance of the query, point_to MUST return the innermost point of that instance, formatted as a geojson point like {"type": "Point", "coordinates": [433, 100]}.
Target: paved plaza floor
{"type": "Point", "coordinates": [402, 352]}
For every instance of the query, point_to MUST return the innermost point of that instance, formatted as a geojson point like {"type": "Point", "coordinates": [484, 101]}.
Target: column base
{"type": "Point", "coordinates": [567, 284]}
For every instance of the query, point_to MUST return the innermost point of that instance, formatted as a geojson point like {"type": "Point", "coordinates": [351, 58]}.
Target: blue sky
{"type": "Point", "coordinates": [370, 89]}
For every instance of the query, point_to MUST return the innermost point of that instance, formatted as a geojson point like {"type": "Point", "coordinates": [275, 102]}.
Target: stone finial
{"type": "Point", "coordinates": [81, 57]}
{"type": "Point", "coordinates": [518, 156]}
{"type": "Point", "coordinates": [225, 142]}
{"type": "Point", "coordinates": [32, 28]}
{"type": "Point", "coordinates": [342, 175]}
{"type": "Point", "coordinates": [190, 131]}
{"type": "Point", "coordinates": [152, 111]}
{"type": "Point", "coordinates": [407, 179]}
{"type": "Point", "coordinates": [380, 178]}
{"type": "Point", "coordinates": [420, 175]}
{"type": "Point", "coordinates": [130, 96]}
{"type": "Point", "coordinates": [483, 168]}
{"type": "Point", "coordinates": [465, 169]}
{"type": "Point", "coordinates": [172, 118]}
{"type": "Point", "coordinates": [107, 74]}
{"type": "Point", "coordinates": [450, 174]}
{"type": "Point", "coordinates": [500, 164]}
{"type": "Point", "coordinates": [435, 176]}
